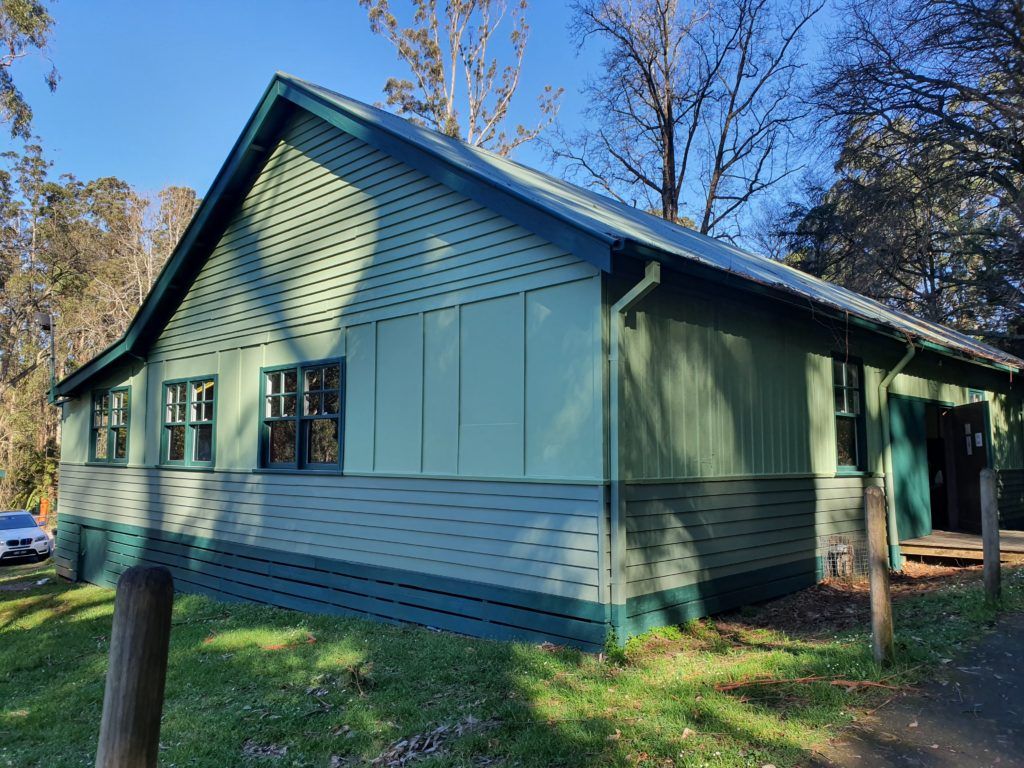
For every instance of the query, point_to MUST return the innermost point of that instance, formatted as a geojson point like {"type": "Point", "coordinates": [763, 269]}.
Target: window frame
{"type": "Point", "coordinates": [301, 464]}
{"type": "Point", "coordinates": [108, 427]}
{"type": "Point", "coordinates": [189, 423]}
{"type": "Point", "coordinates": [859, 419]}
{"type": "Point", "coordinates": [976, 396]}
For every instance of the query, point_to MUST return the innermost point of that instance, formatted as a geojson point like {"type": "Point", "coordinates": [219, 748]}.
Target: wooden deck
{"type": "Point", "coordinates": [964, 546]}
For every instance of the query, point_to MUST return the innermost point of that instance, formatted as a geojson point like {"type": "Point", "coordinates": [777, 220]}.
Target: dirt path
{"type": "Point", "coordinates": [970, 716]}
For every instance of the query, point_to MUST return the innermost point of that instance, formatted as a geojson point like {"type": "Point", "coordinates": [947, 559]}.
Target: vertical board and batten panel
{"type": "Point", "coordinates": [441, 391]}
{"type": "Point", "coordinates": [563, 382]}
{"type": "Point", "coordinates": [491, 388]}
{"type": "Point", "coordinates": [716, 389]}
{"type": "Point", "coordinates": [398, 432]}
{"type": "Point", "coordinates": [504, 387]}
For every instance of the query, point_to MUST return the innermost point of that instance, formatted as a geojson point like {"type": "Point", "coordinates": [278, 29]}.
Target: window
{"type": "Point", "coordinates": [975, 396]}
{"type": "Point", "coordinates": [109, 426]}
{"type": "Point", "coordinates": [302, 416]}
{"type": "Point", "coordinates": [851, 443]}
{"type": "Point", "coordinates": [189, 418]}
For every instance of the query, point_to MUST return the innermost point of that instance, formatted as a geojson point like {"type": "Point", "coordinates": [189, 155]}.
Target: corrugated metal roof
{"type": "Point", "coordinates": [609, 219]}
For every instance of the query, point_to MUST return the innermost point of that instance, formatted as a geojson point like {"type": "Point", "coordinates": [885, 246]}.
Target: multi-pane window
{"type": "Point", "coordinates": [109, 426]}
{"type": "Point", "coordinates": [189, 416]}
{"type": "Point", "coordinates": [851, 453]}
{"type": "Point", "coordinates": [302, 416]}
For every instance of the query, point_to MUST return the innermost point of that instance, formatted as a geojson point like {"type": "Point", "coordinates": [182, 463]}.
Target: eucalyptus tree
{"type": "Point", "coordinates": [458, 86]}
{"type": "Point", "coordinates": [25, 26]}
{"type": "Point", "coordinates": [695, 105]}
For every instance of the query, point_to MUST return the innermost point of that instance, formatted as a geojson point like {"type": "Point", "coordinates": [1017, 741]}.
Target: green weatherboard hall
{"type": "Point", "coordinates": [387, 374]}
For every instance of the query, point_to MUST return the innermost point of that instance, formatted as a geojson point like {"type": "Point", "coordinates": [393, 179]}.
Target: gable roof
{"type": "Point", "coordinates": [587, 224]}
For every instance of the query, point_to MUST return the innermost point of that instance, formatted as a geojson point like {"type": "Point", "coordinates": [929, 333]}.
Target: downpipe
{"type": "Point", "coordinates": [895, 559]}
{"type": "Point", "coordinates": [651, 279]}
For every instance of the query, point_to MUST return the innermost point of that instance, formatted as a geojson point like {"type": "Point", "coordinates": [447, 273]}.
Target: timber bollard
{"type": "Point", "coordinates": [990, 533]}
{"type": "Point", "coordinates": [878, 572]}
{"type": "Point", "coordinates": [134, 696]}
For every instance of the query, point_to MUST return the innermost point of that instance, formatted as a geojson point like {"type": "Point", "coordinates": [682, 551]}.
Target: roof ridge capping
{"type": "Point", "coordinates": [597, 225]}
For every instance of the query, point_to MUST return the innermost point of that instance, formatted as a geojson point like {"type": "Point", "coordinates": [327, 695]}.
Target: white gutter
{"type": "Point", "coordinates": [895, 559]}
{"type": "Point", "coordinates": [651, 279]}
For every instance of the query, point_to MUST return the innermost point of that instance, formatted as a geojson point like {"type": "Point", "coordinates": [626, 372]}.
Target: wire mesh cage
{"type": "Point", "coordinates": [844, 557]}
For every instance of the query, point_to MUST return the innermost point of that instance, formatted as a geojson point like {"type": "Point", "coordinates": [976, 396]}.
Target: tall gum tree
{"type": "Point", "coordinates": [695, 107]}
{"type": "Point", "coordinates": [458, 86]}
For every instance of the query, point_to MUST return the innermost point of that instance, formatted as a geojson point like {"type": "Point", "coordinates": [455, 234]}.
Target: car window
{"type": "Point", "coordinates": [10, 522]}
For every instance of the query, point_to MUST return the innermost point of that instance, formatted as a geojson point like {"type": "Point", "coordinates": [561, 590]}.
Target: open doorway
{"type": "Point", "coordinates": [938, 452]}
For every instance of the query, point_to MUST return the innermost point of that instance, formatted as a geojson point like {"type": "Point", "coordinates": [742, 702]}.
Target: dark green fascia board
{"type": "Point", "coordinates": [680, 264]}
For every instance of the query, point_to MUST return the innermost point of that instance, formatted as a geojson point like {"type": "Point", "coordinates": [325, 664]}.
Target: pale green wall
{"type": "Point", "coordinates": [496, 388]}
{"type": "Point", "coordinates": [472, 346]}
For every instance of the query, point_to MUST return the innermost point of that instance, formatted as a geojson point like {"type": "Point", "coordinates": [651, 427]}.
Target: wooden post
{"type": "Point", "coordinates": [134, 697]}
{"type": "Point", "coordinates": [990, 533]}
{"type": "Point", "coordinates": [878, 571]}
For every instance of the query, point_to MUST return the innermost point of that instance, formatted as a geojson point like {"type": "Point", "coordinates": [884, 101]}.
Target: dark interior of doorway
{"type": "Point", "coordinates": [957, 449]}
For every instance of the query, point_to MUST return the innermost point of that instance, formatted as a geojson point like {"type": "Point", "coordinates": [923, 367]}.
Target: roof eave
{"type": "Point", "coordinates": [678, 263]}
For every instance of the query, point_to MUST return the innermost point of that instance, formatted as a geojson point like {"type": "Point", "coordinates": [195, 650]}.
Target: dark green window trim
{"type": "Point", "coordinates": [188, 406]}
{"type": "Point", "coordinates": [850, 419]}
{"type": "Point", "coordinates": [109, 420]}
{"type": "Point", "coordinates": [976, 396]}
{"type": "Point", "coordinates": [298, 399]}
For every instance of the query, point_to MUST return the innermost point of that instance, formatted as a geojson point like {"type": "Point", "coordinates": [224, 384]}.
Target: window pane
{"type": "Point", "coordinates": [100, 444]}
{"type": "Point", "coordinates": [837, 373]}
{"type": "Point", "coordinates": [273, 406]}
{"type": "Point", "coordinates": [282, 442]}
{"type": "Point", "coordinates": [176, 443]}
{"type": "Point", "coordinates": [852, 375]}
{"type": "Point", "coordinates": [331, 403]}
{"type": "Point", "coordinates": [314, 378]}
{"type": "Point", "coordinates": [322, 445]}
{"type": "Point", "coordinates": [332, 377]}
{"type": "Point", "coordinates": [203, 411]}
{"type": "Point", "coordinates": [291, 380]}
{"type": "Point", "coordinates": [846, 441]}
{"type": "Point", "coordinates": [840, 398]}
{"type": "Point", "coordinates": [853, 401]}
{"type": "Point", "coordinates": [202, 390]}
{"type": "Point", "coordinates": [314, 404]}
{"type": "Point", "coordinates": [202, 447]}
{"type": "Point", "coordinates": [121, 443]}
{"type": "Point", "coordinates": [288, 405]}
{"type": "Point", "coordinates": [274, 383]}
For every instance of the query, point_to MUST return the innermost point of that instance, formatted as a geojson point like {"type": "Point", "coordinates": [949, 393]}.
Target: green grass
{"type": "Point", "coordinates": [245, 683]}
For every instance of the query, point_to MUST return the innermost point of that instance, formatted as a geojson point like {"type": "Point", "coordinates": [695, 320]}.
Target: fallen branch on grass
{"type": "Point", "coordinates": [839, 681]}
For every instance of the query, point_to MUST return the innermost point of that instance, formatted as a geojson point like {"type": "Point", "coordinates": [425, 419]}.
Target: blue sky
{"type": "Point", "coordinates": [156, 93]}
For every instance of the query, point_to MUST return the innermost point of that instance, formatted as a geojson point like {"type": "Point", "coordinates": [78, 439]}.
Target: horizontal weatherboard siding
{"type": "Point", "coordinates": [532, 536]}
{"type": "Point", "coordinates": [235, 572]}
{"type": "Point", "coordinates": [336, 231]}
{"type": "Point", "coordinates": [736, 541]}
{"type": "Point", "coordinates": [1011, 499]}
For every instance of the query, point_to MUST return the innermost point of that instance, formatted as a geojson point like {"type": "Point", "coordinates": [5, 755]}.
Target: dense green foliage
{"type": "Point", "coordinates": [86, 253]}
{"type": "Point", "coordinates": [925, 210]}
{"type": "Point", "coordinates": [246, 683]}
